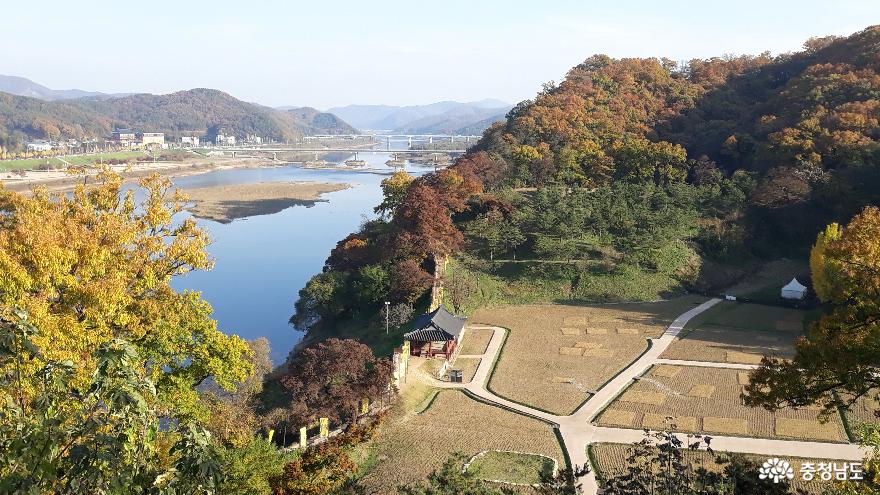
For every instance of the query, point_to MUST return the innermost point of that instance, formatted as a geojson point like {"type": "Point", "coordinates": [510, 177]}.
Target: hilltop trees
{"type": "Point", "coordinates": [841, 352]}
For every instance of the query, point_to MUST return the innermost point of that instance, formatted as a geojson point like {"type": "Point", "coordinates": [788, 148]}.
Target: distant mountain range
{"type": "Point", "coordinates": [203, 112]}
{"type": "Point", "coordinates": [441, 117]}
{"type": "Point", "coordinates": [21, 86]}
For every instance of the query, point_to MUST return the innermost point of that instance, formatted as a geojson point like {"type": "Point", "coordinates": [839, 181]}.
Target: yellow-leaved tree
{"type": "Point", "coordinates": [820, 266]}
{"type": "Point", "coordinates": [94, 265]}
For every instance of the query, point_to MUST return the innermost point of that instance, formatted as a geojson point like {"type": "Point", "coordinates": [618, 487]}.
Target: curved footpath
{"type": "Point", "coordinates": [578, 432]}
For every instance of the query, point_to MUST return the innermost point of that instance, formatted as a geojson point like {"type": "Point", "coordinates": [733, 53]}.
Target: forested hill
{"type": "Point", "coordinates": [200, 111]}
{"type": "Point", "coordinates": [803, 125]}
{"type": "Point", "coordinates": [631, 179]}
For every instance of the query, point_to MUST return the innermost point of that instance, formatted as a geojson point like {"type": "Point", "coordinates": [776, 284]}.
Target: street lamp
{"type": "Point", "coordinates": [387, 315]}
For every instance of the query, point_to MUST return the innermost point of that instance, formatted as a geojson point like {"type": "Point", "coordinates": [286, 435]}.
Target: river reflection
{"type": "Point", "coordinates": [262, 262]}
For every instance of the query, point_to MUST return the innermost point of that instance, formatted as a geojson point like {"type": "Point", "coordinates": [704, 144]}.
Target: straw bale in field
{"type": "Point", "coordinates": [587, 345]}
{"type": "Point", "coordinates": [597, 331]}
{"type": "Point", "coordinates": [571, 351]}
{"type": "Point", "coordinates": [742, 377]}
{"type": "Point", "coordinates": [743, 357]}
{"type": "Point", "coordinates": [732, 426]}
{"type": "Point", "coordinates": [643, 397]}
{"type": "Point", "coordinates": [571, 331]}
{"type": "Point", "coordinates": [800, 428]}
{"type": "Point", "coordinates": [703, 391]}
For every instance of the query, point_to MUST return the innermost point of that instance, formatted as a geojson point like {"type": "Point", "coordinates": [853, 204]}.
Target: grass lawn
{"type": "Point", "coordinates": [31, 163]}
{"type": "Point", "coordinates": [707, 400]}
{"type": "Point", "coordinates": [512, 467]}
{"type": "Point", "coordinates": [530, 282]}
{"type": "Point", "coordinates": [611, 460]}
{"type": "Point", "coordinates": [410, 444]}
{"type": "Point", "coordinates": [555, 354]}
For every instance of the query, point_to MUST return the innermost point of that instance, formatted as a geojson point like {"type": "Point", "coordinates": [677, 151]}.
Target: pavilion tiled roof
{"type": "Point", "coordinates": [438, 325]}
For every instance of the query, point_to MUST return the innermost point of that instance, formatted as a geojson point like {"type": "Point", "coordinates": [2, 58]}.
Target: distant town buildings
{"type": "Point", "coordinates": [189, 141]}
{"type": "Point", "coordinates": [130, 138]}
{"type": "Point", "coordinates": [123, 137]}
{"type": "Point", "coordinates": [39, 145]}
{"type": "Point", "coordinates": [224, 139]}
{"type": "Point", "coordinates": [152, 139]}
{"type": "Point", "coordinates": [253, 139]}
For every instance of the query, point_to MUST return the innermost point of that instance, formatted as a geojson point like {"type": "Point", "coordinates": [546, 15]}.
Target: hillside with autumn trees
{"type": "Point", "coordinates": [630, 179]}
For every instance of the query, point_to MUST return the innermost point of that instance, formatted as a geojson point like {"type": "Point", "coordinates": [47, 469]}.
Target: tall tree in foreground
{"type": "Point", "coordinates": [842, 350]}
{"type": "Point", "coordinates": [95, 266]}
{"type": "Point", "coordinates": [58, 438]}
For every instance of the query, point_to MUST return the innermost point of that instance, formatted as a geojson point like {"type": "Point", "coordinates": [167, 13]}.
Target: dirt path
{"type": "Point", "coordinates": [578, 432]}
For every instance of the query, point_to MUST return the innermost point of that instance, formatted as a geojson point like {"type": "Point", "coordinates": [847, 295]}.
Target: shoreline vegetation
{"type": "Point", "coordinates": [230, 202]}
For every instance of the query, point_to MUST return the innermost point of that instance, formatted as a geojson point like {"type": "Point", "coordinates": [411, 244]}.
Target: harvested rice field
{"type": "Point", "coordinates": [739, 333]}
{"type": "Point", "coordinates": [475, 341]}
{"type": "Point", "coordinates": [556, 354]}
{"type": "Point", "coordinates": [610, 460]}
{"type": "Point", "coordinates": [864, 410]}
{"type": "Point", "coordinates": [707, 400]}
{"type": "Point", "coordinates": [409, 446]}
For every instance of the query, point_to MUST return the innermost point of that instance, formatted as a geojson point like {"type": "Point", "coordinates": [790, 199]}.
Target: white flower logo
{"type": "Point", "coordinates": [776, 469]}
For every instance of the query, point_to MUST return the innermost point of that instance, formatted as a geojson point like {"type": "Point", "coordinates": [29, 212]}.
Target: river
{"type": "Point", "coordinates": [262, 262]}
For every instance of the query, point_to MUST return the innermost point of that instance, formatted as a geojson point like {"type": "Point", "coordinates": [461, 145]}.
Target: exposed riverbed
{"type": "Point", "coordinates": [261, 262]}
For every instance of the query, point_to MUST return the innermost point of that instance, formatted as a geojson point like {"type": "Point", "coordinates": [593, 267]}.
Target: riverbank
{"type": "Point", "coordinates": [229, 202]}
{"type": "Point", "coordinates": [62, 180]}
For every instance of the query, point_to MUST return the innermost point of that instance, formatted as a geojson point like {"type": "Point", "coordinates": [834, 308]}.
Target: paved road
{"type": "Point", "coordinates": [578, 432]}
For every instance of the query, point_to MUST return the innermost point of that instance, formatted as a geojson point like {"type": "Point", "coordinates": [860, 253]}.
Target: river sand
{"type": "Point", "coordinates": [229, 202]}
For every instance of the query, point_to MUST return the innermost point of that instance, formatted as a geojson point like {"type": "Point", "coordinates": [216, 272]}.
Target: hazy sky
{"type": "Point", "coordinates": [335, 52]}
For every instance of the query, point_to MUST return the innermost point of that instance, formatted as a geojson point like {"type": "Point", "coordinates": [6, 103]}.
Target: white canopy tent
{"type": "Point", "coordinates": [794, 290]}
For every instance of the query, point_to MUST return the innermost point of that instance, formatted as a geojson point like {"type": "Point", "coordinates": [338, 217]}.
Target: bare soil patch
{"type": "Point", "coordinates": [229, 202]}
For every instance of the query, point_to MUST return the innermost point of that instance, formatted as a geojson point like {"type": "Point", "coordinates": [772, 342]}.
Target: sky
{"type": "Point", "coordinates": [332, 53]}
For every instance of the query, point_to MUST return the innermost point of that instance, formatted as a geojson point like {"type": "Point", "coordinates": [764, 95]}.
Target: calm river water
{"type": "Point", "coordinates": [262, 262]}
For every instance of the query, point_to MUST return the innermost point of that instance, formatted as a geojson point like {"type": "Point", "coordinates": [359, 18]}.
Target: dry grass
{"type": "Point", "coordinates": [531, 357]}
{"type": "Point", "coordinates": [410, 446]}
{"type": "Point", "coordinates": [476, 340]}
{"type": "Point", "coordinates": [739, 333]}
{"type": "Point", "coordinates": [468, 366]}
{"type": "Point", "coordinates": [612, 461]}
{"type": "Point", "coordinates": [712, 396]}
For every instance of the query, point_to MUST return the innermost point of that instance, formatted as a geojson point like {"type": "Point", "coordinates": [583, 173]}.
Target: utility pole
{"type": "Point", "coordinates": [387, 316]}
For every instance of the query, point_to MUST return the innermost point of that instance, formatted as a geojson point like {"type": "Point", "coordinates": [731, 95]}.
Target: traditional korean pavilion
{"type": "Point", "coordinates": [436, 334]}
